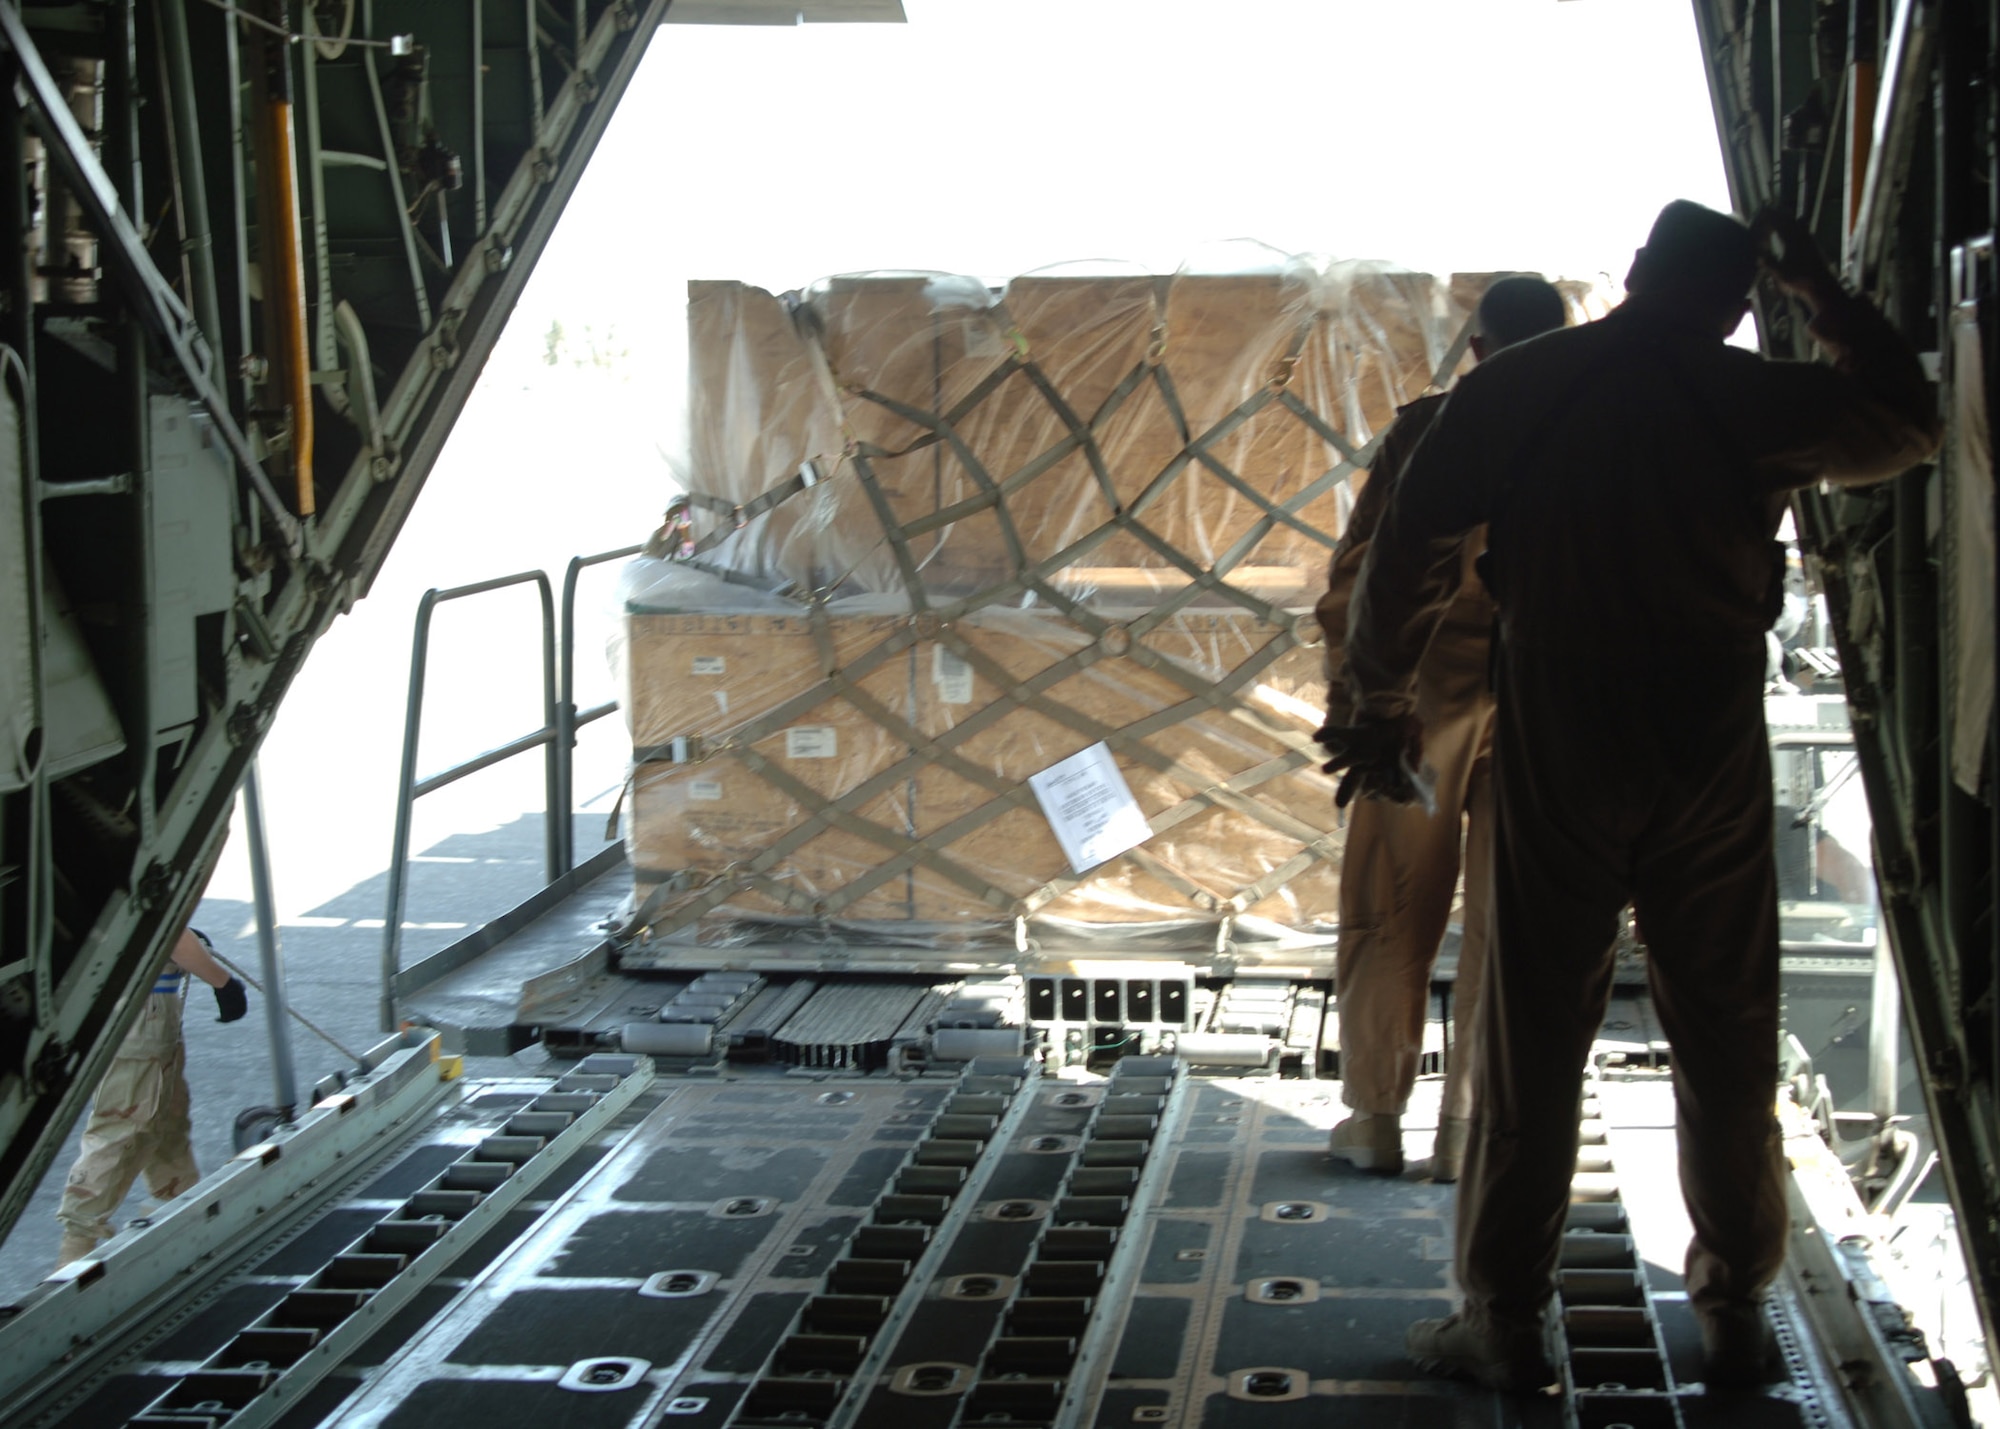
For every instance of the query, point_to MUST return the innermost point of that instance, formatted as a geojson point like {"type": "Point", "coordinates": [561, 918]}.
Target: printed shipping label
{"type": "Point", "coordinates": [812, 741]}
{"type": "Point", "coordinates": [706, 791]}
{"type": "Point", "coordinates": [952, 675]}
{"type": "Point", "coordinates": [708, 665]}
{"type": "Point", "coordinates": [1090, 807]}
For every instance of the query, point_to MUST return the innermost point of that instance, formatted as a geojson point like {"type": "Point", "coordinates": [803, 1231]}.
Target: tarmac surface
{"type": "Point", "coordinates": [332, 959]}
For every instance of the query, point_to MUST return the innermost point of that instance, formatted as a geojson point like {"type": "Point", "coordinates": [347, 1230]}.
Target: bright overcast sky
{"type": "Point", "coordinates": [992, 137]}
{"type": "Point", "coordinates": [988, 137]}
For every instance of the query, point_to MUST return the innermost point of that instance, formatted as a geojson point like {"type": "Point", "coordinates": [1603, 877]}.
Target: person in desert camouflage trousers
{"type": "Point", "coordinates": [139, 1119]}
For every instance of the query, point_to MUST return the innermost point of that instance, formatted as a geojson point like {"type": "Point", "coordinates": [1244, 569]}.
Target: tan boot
{"type": "Point", "coordinates": [1448, 1153]}
{"type": "Point", "coordinates": [1371, 1141]}
{"type": "Point", "coordinates": [74, 1247]}
{"type": "Point", "coordinates": [1738, 1347]}
{"type": "Point", "coordinates": [1515, 1360]}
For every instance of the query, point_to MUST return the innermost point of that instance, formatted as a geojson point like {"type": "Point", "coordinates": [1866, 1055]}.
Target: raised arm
{"type": "Point", "coordinates": [1873, 414]}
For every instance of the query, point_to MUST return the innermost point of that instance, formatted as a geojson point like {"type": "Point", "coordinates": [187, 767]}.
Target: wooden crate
{"type": "Point", "coordinates": [712, 819]}
{"type": "Point", "coordinates": [771, 392]}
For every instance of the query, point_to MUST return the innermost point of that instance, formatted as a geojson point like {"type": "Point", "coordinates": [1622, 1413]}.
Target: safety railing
{"type": "Point", "coordinates": [410, 788]}
{"type": "Point", "coordinates": [556, 738]}
{"type": "Point", "coordinates": [568, 719]}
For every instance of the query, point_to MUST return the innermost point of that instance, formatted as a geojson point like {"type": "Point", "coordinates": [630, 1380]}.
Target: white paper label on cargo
{"type": "Point", "coordinates": [1090, 807]}
{"type": "Point", "coordinates": [705, 791]}
{"type": "Point", "coordinates": [812, 741]}
{"type": "Point", "coordinates": [708, 665]}
{"type": "Point", "coordinates": [952, 674]}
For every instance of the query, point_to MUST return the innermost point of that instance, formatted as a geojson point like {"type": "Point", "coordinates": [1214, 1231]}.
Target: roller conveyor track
{"type": "Point", "coordinates": [986, 1247]}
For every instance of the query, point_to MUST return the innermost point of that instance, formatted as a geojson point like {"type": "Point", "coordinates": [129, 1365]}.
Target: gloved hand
{"type": "Point", "coordinates": [1382, 759]}
{"type": "Point", "coordinates": [1787, 251]}
{"type": "Point", "coordinates": [231, 1000]}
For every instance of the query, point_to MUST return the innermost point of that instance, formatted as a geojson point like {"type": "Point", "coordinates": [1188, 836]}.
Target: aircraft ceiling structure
{"type": "Point", "coordinates": [256, 255]}
{"type": "Point", "coordinates": [1875, 121]}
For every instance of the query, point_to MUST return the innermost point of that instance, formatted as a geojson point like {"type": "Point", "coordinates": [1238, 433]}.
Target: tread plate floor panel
{"type": "Point", "coordinates": [754, 1183]}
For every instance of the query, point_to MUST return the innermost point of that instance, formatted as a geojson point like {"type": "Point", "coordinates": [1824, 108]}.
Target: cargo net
{"type": "Point", "coordinates": [938, 538]}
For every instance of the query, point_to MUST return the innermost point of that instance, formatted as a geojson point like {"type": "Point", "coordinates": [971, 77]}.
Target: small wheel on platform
{"type": "Point", "coordinates": [255, 1124]}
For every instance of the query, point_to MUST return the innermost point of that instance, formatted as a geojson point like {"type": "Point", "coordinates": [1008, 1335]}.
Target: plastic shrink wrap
{"type": "Point", "coordinates": [937, 538]}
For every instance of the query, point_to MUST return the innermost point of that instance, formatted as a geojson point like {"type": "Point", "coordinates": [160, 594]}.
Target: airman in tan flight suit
{"type": "Point", "coordinates": [1402, 862]}
{"type": "Point", "coordinates": [139, 1121]}
{"type": "Point", "coordinates": [1632, 473]}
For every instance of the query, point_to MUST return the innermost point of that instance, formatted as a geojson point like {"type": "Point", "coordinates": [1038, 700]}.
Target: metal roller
{"type": "Point", "coordinates": [668, 1039]}
{"type": "Point", "coordinates": [962, 1044]}
{"type": "Point", "coordinates": [1223, 1049]}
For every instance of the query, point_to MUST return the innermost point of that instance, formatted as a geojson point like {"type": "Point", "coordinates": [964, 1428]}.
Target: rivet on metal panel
{"type": "Point", "coordinates": [977, 1287]}
{"type": "Point", "coordinates": [1050, 1145]}
{"type": "Point", "coordinates": [743, 1207]}
{"type": "Point", "coordinates": [1190, 1255]}
{"type": "Point", "coordinates": [678, 1284]}
{"type": "Point", "coordinates": [1266, 1384]}
{"type": "Point", "coordinates": [834, 1098]}
{"type": "Point", "coordinates": [1282, 1290]}
{"type": "Point", "coordinates": [1150, 1414]}
{"type": "Point", "coordinates": [603, 1376]}
{"type": "Point", "coordinates": [686, 1404]}
{"type": "Point", "coordinates": [932, 1377]}
{"type": "Point", "coordinates": [1293, 1212]}
{"type": "Point", "coordinates": [1015, 1210]}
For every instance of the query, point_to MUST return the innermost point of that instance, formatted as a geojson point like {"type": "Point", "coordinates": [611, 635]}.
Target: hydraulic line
{"type": "Point", "coordinates": [283, 259]}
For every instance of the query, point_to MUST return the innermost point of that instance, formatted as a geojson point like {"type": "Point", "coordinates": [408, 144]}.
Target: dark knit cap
{"type": "Point", "coordinates": [1696, 248]}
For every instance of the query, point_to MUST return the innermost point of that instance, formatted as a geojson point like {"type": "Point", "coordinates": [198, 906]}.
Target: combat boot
{"type": "Point", "coordinates": [74, 1247]}
{"type": "Point", "coordinates": [1371, 1141]}
{"type": "Point", "coordinates": [1738, 1348]}
{"type": "Point", "coordinates": [1511, 1358]}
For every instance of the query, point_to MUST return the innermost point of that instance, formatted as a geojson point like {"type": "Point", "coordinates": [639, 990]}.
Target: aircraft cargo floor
{"type": "Point", "coordinates": [992, 1247]}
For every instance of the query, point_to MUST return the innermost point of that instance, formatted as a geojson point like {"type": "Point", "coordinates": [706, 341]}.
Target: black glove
{"type": "Point", "coordinates": [1381, 759]}
{"type": "Point", "coordinates": [232, 1000]}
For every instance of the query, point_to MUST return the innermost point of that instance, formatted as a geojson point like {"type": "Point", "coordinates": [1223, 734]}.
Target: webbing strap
{"type": "Point", "coordinates": [1449, 363]}
{"type": "Point", "coordinates": [907, 851]}
{"type": "Point", "coordinates": [1017, 557]}
{"type": "Point", "coordinates": [843, 680]}
{"type": "Point", "coordinates": [906, 564]}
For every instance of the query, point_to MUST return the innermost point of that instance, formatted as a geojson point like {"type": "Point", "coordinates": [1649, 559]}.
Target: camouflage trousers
{"type": "Point", "coordinates": [138, 1126]}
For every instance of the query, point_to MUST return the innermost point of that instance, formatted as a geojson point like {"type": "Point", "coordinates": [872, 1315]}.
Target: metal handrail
{"type": "Point", "coordinates": [568, 720]}
{"type": "Point", "coordinates": [410, 788]}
